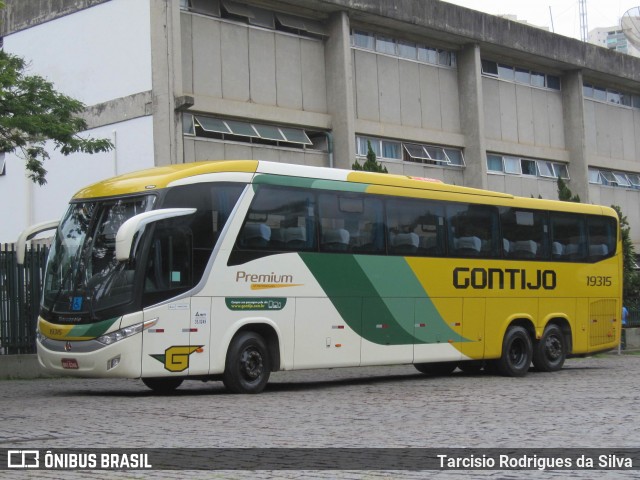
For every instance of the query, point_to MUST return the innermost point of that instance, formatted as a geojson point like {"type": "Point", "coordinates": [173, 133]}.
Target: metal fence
{"type": "Point", "coordinates": [20, 290]}
{"type": "Point", "coordinates": [633, 321]}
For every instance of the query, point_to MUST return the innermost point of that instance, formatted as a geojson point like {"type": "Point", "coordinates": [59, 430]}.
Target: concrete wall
{"type": "Point", "coordinates": [613, 135]}
{"type": "Point", "coordinates": [401, 92]}
{"type": "Point", "coordinates": [515, 113]}
{"type": "Point", "coordinates": [238, 62]}
{"type": "Point", "coordinates": [97, 54]}
{"type": "Point", "coordinates": [240, 71]}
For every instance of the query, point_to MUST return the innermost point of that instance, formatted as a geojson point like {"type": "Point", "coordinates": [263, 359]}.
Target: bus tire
{"type": "Point", "coordinates": [550, 352]}
{"type": "Point", "coordinates": [248, 364]}
{"type": "Point", "coordinates": [436, 368]}
{"type": "Point", "coordinates": [517, 351]}
{"type": "Point", "coordinates": [163, 384]}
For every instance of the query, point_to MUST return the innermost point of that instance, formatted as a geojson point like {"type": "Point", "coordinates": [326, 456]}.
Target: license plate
{"type": "Point", "coordinates": [71, 363]}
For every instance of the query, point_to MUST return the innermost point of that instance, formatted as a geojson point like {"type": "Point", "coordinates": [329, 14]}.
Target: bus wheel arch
{"type": "Point", "coordinates": [270, 336]}
{"type": "Point", "coordinates": [517, 349]}
{"type": "Point", "coordinates": [252, 354]}
{"type": "Point", "coordinates": [550, 351]}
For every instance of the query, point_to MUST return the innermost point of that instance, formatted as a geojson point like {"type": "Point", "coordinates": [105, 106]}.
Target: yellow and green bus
{"type": "Point", "coordinates": [231, 270]}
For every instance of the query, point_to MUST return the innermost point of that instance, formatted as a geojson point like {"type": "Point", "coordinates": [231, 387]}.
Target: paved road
{"type": "Point", "coordinates": [590, 403]}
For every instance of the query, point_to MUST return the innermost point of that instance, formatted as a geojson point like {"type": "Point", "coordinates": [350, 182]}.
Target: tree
{"type": "Point", "coordinates": [565, 194]}
{"type": "Point", "coordinates": [371, 164]}
{"type": "Point", "coordinates": [631, 278]}
{"type": "Point", "coordinates": [32, 112]}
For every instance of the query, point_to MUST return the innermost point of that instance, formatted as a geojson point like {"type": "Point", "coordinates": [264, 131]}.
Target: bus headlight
{"type": "Point", "coordinates": [125, 332]}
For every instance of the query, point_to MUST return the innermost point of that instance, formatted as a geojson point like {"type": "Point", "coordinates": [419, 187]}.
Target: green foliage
{"type": "Point", "coordinates": [631, 277]}
{"type": "Point", "coordinates": [565, 194]}
{"type": "Point", "coordinates": [371, 164]}
{"type": "Point", "coordinates": [32, 112]}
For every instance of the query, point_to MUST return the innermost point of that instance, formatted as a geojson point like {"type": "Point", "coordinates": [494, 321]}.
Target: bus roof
{"type": "Point", "coordinates": [162, 177]}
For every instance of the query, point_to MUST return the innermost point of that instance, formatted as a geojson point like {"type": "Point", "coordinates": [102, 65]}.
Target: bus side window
{"type": "Point", "coordinates": [602, 237]}
{"type": "Point", "coordinates": [350, 222]}
{"type": "Point", "coordinates": [416, 227]}
{"type": "Point", "coordinates": [280, 219]}
{"type": "Point", "coordinates": [568, 235]}
{"type": "Point", "coordinates": [473, 231]}
{"type": "Point", "coordinates": [523, 233]}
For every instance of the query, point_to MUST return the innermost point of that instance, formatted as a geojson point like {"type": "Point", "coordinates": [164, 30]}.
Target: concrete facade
{"type": "Point", "coordinates": [403, 74]}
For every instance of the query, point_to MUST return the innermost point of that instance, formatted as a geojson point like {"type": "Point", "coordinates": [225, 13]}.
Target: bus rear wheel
{"type": "Point", "coordinates": [162, 384]}
{"type": "Point", "coordinates": [437, 368]}
{"type": "Point", "coordinates": [550, 351]}
{"type": "Point", "coordinates": [517, 351]}
{"type": "Point", "coordinates": [248, 364]}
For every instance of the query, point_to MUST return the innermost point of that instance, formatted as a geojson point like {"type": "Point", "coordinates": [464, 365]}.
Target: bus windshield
{"type": "Point", "coordinates": [82, 274]}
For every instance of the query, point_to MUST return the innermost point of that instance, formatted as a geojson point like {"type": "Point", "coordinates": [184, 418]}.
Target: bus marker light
{"type": "Point", "coordinates": [338, 327]}
{"type": "Point", "coordinates": [338, 345]}
{"type": "Point", "coordinates": [382, 325]}
{"type": "Point", "coordinates": [199, 350]}
{"type": "Point", "coordinates": [421, 325]}
{"type": "Point", "coordinates": [114, 362]}
{"type": "Point", "coordinates": [156, 330]}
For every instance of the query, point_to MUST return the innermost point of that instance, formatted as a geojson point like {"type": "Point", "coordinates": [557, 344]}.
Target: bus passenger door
{"type": "Point", "coordinates": [167, 346]}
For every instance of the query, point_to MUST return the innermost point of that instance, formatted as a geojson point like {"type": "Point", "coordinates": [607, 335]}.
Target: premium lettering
{"type": "Point", "coordinates": [503, 279]}
{"type": "Point", "coordinates": [272, 277]}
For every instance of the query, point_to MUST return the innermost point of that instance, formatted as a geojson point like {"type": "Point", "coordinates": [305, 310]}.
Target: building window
{"type": "Point", "coordinates": [410, 152]}
{"type": "Point", "coordinates": [402, 48]}
{"type": "Point", "coordinates": [239, 12]}
{"type": "Point", "coordinates": [610, 96]}
{"type": "Point", "coordinates": [612, 178]}
{"type": "Point", "coordinates": [363, 39]}
{"type": "Point", "coordinates": [520, 75]}
{"type": "Point", "coordinates": [511, 165]}
{"type": "Point", "coordinates": [385, 45]}
{"type": "Point", "coordinates": [249, 132]}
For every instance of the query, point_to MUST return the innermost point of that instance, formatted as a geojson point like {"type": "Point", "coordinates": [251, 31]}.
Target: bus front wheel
{"type": "Point", "coordinates": [248, 365]}
{"type": "Point", "coordinates": [550, 351]}
{"type": "Point", "coordinates": [162, 384]}
{"type": "Point", "coordinates": [517, 351]}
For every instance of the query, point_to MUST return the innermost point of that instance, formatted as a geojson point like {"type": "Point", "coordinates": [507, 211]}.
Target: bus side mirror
{"type": "Point", "coordinates": [28, 233]}
{"type": "Point", "coordinates": [128, 230]}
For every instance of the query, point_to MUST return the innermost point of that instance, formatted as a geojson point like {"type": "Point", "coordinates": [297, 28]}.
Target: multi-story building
{"type": "Point", "coordinates": [438, 90]}
{"type": "Point", "coordinates": [616, 38]}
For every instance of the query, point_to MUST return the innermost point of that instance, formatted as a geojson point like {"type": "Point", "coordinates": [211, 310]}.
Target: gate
{"type": "Point", "coordinates": [20, 292]}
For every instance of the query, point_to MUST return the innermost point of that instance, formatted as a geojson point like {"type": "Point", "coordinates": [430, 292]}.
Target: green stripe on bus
{"type": "Point", "coordinates": [380, 298]}
{"type": "Point", "coordinates": [93, 330]}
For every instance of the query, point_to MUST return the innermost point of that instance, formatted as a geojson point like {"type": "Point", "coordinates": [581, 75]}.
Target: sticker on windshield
{"type": "Point", "coordinates": [76, 304]}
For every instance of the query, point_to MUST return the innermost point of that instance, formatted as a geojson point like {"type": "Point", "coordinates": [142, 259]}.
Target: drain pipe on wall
{"type": "Point", "coordinates": [329, 136]}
